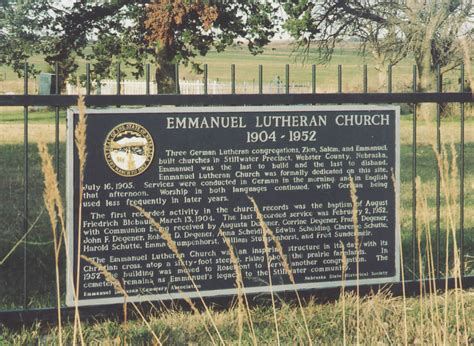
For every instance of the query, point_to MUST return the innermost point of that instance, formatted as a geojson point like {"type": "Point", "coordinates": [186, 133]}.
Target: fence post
{"type": "Point", "coordinates": [205, 79]}
{"type": "Point", "coordinates": [176, 77]}
{"type": "Point", "coordinates": [26, 186]}
{"type": "Point", "coordinates": [339, 79]}
{"type": "Point", "coordinates": [365, 80]}
{"type": "Point", "coordinates": [389, 79]}
{"type": "Point", "coordinates": [232, 78]}
{"type": "Point", "coordinates": [119, 77]}
{"type": "Point", "coordinates": [88, 79]}
{"type": "Point", "coordinates": [56, 120]}
{"type": "Point", "coordinates": [147, 79]}
{"type": "Point", "coordinates": [438, 178]}
{"type": "Point", "coordinates": [461, 178]}
{"type": "Point", "coordinates": [414, 173]}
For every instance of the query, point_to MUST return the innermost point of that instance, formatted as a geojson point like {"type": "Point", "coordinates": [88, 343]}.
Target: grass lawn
{"type": "Point", "coordinates": [39, 115]}
{"type": "Point", "coordinates": [274, 58]}
{"type": "Point", "coordinates": [40, 249]}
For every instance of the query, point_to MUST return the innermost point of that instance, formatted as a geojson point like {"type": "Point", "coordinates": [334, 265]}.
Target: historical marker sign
{"type": "Point", "coordinates": [193, 169]}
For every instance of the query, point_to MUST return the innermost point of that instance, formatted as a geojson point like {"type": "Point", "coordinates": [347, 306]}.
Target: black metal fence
{"type": "Point", "coordinates": [24, 313]}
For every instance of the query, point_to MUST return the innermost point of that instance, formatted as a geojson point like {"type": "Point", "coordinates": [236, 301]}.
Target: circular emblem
{"type": "Point", "coordinates": [129, 149]}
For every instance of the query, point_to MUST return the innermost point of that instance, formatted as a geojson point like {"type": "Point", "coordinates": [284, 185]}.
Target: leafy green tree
{"type": "Point", "coordinates": [134, 32]}
{"type": "Point", "coordinates": [165, 32]}
{"type": "Point", "coordinates": [18, 33]}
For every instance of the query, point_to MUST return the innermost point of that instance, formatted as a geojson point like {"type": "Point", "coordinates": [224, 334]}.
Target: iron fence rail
{"type": "Point", "coordinates": [234, 99]}
{"type": "Point", "coordinates": [57, 101]}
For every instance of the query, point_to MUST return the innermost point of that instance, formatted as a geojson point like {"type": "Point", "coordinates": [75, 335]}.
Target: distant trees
{"type": "Point", "coordinates": [431, 31]}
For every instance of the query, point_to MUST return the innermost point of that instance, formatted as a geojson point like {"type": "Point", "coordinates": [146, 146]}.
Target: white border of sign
{"type": "Point", "coordinates": [231, 291]}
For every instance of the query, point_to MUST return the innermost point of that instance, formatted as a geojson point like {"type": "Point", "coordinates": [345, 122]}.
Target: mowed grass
{"type": "Point", "coordinates": [40, 248]}
{"type": "Point", "coordinates": [273, 60]}
{"type": "Point", "coordinates": [37, 115]}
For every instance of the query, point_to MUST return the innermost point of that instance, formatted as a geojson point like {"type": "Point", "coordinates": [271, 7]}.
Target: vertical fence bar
{"type": "Point", "coordinates": [461, 178]}
{"type": "Point", "coordinates": [365, 80]}
{"type": "Point", "coordinates": [438, 177]}
{"type": "Point", "coordinates": [413, 181]}
{"type": "Point", "coordinates": [339, 78]}
{"type": "Point", "coordinates": [206, 77]}
{"type": "Point", "coordinates": [260, 79]}
{"type": "Point", "coordinates": [176, 77]}
{"type": "Point", "coordinates": [389, 79]}
{"type": "Point", "coordinates": [56, 133]}
{"type": "Point", "coordinates": [88, 79]}
{"type": "Point", "coordinates": [56, 120]}
{"type": "Point", "coordinates": [232, 78]}
{"type": "Point", "coordinates": [147, 79]}
{"type": "Point", "coordinates": [313, 79]}
{"type": "Point", "coordinates": [119, 78]}
{"type": "Point", "coordinates": [157, 83]}
{"type": "Point", "coordinates": [25, 187]}
{"type": "Point", "coordinates": [287, 78]}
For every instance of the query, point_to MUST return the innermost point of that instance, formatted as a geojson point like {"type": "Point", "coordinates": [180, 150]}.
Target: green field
{"type": "Point", "coordinates": [274, 58]}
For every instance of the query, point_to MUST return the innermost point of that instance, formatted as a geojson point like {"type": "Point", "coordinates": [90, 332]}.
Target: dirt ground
{"type": "Point", "coordinates": [13, 133]}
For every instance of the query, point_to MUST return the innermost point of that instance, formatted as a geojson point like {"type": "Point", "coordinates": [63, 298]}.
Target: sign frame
{"type": "Point", "coordinates": [154, 111]}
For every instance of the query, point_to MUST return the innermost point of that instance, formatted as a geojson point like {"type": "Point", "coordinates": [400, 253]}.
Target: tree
{"type": "Point", "coordinates": [161, 32]}
{"type": "Point", "coordinates": [18, 40]}
{"type": "Point", "coordinates": [431, 31]}
{"type": "Point", "coordinates": [165, 32]}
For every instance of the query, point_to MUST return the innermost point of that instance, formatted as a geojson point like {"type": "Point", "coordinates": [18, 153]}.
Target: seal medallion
{"type": "Point", "coordinates": [129, 149]}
